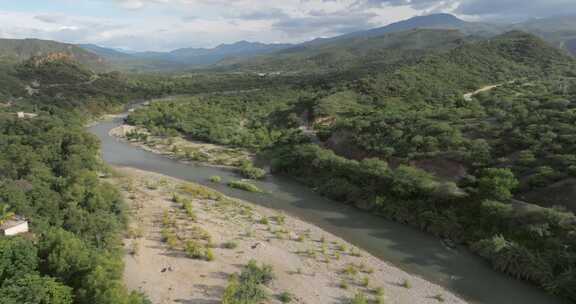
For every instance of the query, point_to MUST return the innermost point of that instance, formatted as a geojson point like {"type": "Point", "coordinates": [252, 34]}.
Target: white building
{"type": "Point", "coordinates": [14, 227]}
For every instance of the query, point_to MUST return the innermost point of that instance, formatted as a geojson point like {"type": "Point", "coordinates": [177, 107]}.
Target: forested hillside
{"type": "Point", "coordinates": [18, 50]}
{"type": "Point", "coordinates": [406, 144]}
{"type": "Point", "coordinates": [49, 174]}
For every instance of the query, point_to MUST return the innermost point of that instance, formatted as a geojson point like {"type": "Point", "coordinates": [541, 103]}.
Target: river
{"type": "Point", "coordinates": [409, 249]}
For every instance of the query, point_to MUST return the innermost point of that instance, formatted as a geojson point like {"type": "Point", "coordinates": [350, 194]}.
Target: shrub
{"type": "Point", "coordinates": [244, 186]}
{"type": "Point", "coordinates": [365, 282]}
{"type": "Point", "coordinates": [190, 210]}
{"type": "Point", "coordinates": [201, 192]}
{"type": "Point", "coordinates": [359, 298]}
{"type": "Point", "coordinates": [243, 292]}
{"type": "Point", "coordinates": [280, 218]}
{"type": "Point", "coordinates": [350, 270]}
{"type": "Point", "coordinates": [248, 170]}
{"type": "Point", "coordinates": [194, 250]}
{"type": "Point", "coordinates": [262, 275]}
{"type": "Point", "coordinates": [230, 245]}
{"type": "Point", "coordinates": [285, 297]}
{"type": "Point", "coordinates": [215, 179]}
{"type": "Point", "coordinates": [209, 255]}
{"type": "Point", "coordinates": [247, 288]}
{"type": "Point", "coordinates": [440, 298]}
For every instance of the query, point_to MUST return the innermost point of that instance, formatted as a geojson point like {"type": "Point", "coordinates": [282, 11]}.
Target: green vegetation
{"type": "Point", "coordinates": [216, 179]}
{"type": "Point", "coordinates": [238, 119]}
{"type": "Point", "coordinates": [400, 140]}
{"type": "Point", "coordinates": [49, 175]}
{"type": "Point", "coordinates": [381, 123]}
{"type": "Point", "coordinates": [18, 50]}
{"type": "Point", "coordinates": [244, 186]}
{"type": "Point", "coordinates": [195, 250]}
{"type": "Point", "coordinates": [359, 298]}
{"type": "Point", "coordinates": [248, 287]}
{"type": "Point", "coordinates": [248, 170]}
{"type": "Point", "coordinates": [285, 297]}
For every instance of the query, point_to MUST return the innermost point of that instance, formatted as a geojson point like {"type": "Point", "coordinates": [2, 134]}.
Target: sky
{"type": "Point", "coordinates": [161, 25]}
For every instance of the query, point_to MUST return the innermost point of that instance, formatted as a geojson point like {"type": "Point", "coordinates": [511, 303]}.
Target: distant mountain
{"type": "Point", "coordinates": [435, 21]}
{"type": "Point", "coordinates": [107, 53]}
{"type": "Point", "coordinates": [354, 52]}
{"type": "Point", "coordinates": [326, 52]}
{"type": "Point", "coordinates": [181, 59]}
{"type": "Point", "coordinates": [560, 31]}
{"type": "Point", "coordinates": [18, 50]}
{"type": "Point", "coordinates": [571, 46]}
{"type": "Point", "coordinates": [203, 56]}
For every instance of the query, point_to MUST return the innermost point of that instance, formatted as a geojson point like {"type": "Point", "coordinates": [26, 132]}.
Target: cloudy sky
{"type": "Point", "coordinates": [170, 24]}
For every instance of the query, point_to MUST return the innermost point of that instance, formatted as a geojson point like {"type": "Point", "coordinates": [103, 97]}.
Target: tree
{"type": "Point", "coordinates": [497, 183]}
{"type": "Point", "coordinates": [34, 289]}
{"type": "Point", "coordinates": [18, 257]}
{"type": "Point", "coordinates": [5, 213]}
{"type": "Point", "coordinates": [64, 256]}
{"type": "Point", "coordinates": [410, 181]}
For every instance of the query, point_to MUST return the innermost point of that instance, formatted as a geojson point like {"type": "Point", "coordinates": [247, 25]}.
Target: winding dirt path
{"type": "Point", "coordinates": [469, 96]}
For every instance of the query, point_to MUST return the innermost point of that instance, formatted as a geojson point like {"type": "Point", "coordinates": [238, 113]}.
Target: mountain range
{"type": "Point", "coordinates": [558, 31]}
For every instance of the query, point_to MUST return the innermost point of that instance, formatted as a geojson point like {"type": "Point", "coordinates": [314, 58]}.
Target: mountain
{"type": "Point", "coordinates": [354, 52]}
{"type": "Point", "coordinates": [107, 53]}
{"type": "Point", "coordinates": [18, 50]}
{"type": "Point", "coordinates": [345, 49]}
{"type": "Point", "coordinates": [571, 46]}
{"type": "Point", "coordinates": [560, 31]}
{"type": "Point", "coordinates": [181, 59]}
{"type": "Point", "coordinates": [203, 56]}
{"type": "Point", "coordinates": [435, 21]}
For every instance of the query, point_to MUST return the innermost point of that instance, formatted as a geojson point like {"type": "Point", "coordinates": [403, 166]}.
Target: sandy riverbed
{"type": "Point", "coordinates": [308, 262]}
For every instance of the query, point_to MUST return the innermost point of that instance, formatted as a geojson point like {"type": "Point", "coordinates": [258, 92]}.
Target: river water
{"type": "Point", "coordinates": [409, 249]}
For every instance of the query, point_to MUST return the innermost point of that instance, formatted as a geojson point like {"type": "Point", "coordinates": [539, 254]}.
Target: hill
{"type": "Point", "coordinates": [19, 50]}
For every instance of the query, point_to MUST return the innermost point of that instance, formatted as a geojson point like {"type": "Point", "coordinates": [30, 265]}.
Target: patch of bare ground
{"type": "Point", "coordinates": [185, 241]}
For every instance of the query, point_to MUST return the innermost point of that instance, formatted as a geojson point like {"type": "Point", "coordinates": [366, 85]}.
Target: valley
{"type": "Point", "coordinates": [431, 160]}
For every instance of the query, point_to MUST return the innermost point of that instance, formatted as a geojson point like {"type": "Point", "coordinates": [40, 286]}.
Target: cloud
{"type": "Point", "coordinates": [319, 21]}
{"type": "Point", "coordinates": [168, 24]}
{"type": "Point", "coordinates": [50, 18]}
{"type": "Point", "coordinates": [267, 14]}
{"type": "Point", "coordinates": [517, 9]}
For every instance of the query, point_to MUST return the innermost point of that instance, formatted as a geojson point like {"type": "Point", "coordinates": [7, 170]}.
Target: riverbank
{"type": "Point", "coordinates": [313, 265]}
{"type": "Point", "coordinates": [182, 149]}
